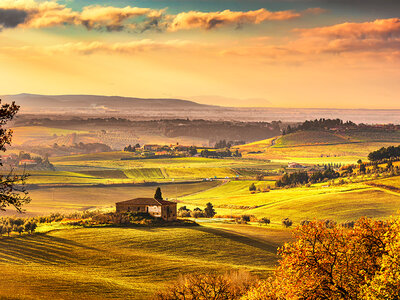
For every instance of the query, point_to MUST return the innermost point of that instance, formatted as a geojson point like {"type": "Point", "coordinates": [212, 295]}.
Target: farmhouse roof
{"type": "Point", "coordinates": [146, 201]}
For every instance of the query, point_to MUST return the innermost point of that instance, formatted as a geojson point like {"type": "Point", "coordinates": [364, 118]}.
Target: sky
{"type": "Point", "coordinates": [252, 53]}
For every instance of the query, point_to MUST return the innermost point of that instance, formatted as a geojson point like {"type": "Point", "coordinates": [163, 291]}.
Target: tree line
{"type": "Point", "coordinates": [320, 124]}
{"type": "Point", "coordinates": [303, 177]}
{"type": "Point", "coordinates": [383, 153]}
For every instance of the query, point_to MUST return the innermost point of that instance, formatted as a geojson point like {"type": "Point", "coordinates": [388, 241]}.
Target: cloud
{"type": "Point", "coordinates": [379, 40]}
{"type": "Point", "coordinates": [113, 18]}
{"type": "Point", "coordinates": [381, 28]}
{"type": "Point", "coordinates": [210, 20]}
{"type": "Point", "coordinates": [39, 14]}
{"type": "Point", "coordinates": [34, 14]}
{"type": "Point", "coordinates": [11, 18]}
{"type": "Point", "coordinates": [88, 48]}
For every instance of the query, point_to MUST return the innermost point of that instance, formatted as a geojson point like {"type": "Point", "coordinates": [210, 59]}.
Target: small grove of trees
{"type": "Point", "coordinates": [209, 286]}
{"type": "Point", "coordinates": [227, 144]}
{"type": "Point", "coordinates": [303, 177]}
{"type": "Point", "coordinates": [131, 148]}
{"type": "Point", "coordinates": [320, 124]}
{"type": "Point", "coordinates": [18, 225]}
{"type": "Point", "coordinates": [385, 153]}
{"type": "Point", "coordinates": [197, 212]}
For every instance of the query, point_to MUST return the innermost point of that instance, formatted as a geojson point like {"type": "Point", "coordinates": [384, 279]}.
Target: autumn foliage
{"type": "Point", "coordinates": [330, 261]}
{"type": "Point", "coordinates": [326, 261]}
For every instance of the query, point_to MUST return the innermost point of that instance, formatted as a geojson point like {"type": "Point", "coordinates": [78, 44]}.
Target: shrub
{"type": "Point", "coordinates": [197, 214]}
{"type": "Point", "coordinates": [287, 222]}
{"type": "Point", "coordinates": [265, 221]}
{"type": "Point", "coordinates": [252, 187]}
{"type": "Point", "coordinates": [211, 286]}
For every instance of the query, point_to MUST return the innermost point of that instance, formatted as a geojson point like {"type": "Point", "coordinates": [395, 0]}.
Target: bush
{"type": "Point", "coordinates": [265, 221]}
{"type": "Point", "coordinates": [252, 187]}
{"type": "Point", "coordinates": [211, 286]}
{"type": "Point", "coordinates": [287, 222]}
{"type": "Point", "coordinates": [197, 214]}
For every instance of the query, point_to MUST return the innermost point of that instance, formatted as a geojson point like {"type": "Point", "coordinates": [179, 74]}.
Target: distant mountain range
{"type": "Point", "coordinates": [56, 103]}
{"type": "Point", "coordinates": [138, 108]}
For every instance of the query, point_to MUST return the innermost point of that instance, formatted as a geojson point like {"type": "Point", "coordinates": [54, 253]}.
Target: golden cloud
{"type": "Point", "coordinates": [39, 14]}
{"type": "Point", "coordinates": [87, 48]}
{"type": "Point", "coordinates": [381, 28]}
{"type": "Point", "coordinates": [210, 20]}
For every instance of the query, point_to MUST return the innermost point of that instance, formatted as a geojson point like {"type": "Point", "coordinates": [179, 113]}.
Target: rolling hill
{"type": "Point", "coordinates": [321, 146]}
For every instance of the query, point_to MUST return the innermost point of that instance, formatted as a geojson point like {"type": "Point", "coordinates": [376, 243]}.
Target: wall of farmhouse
{"type": "Point", "coordinates": [169, 212]}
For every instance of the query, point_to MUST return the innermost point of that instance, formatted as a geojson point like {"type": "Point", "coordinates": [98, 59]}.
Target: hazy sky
{"type": "Point", "coordinates": [293, 53]}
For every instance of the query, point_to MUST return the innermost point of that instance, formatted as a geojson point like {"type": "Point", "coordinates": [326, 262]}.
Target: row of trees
{"type": "Point", "coordinates": [390, 152]}
{"type": "Point", "coordinates": [197, 212]}
{"type": "Point", "coordinates": [19, 225]}
{"type": "Point", "coordinates": [298, 178]}
{"type": "Point", "coordinates": [220, 154]}
{"type": "Point", "coordinates": [131, 148]}
{"type": "Point", "coordinates": [320, 124]}
{"type": "Point", "coordinates": [227, 144]}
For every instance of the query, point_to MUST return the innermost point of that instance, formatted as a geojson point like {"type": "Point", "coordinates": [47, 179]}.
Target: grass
{"type": "Point", "coordinates": [71, 199]}
{"type": "Point", "coordinates": [340, 203]}
{"type": "Point", "coordinates": [318, 147]}
{"type": "Point", "coordinates": [127, 263]}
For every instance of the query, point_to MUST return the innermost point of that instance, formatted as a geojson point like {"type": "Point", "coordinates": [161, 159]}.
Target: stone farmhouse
{"type": "Point", "coordinates": [157, 208]}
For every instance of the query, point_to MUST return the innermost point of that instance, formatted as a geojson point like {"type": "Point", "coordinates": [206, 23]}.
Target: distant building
{"type": "Point", "coordinates": [157, 208]}
{"type": "Point", "coordinates": [152, 147]}
{"type": "Point", "coordinates": [27, 162]}
{"type": "Point", "coordinates": [294, 165]}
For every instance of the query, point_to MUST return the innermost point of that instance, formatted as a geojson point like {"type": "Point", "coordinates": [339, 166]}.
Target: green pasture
{"type": "Point", "coordinates": [318, 147]}
{"type": "Point", "coordinates": [80, 198]}
{"type": "Point", "coordinates": [128, 263]}
{"type": "Point", "coordinates": [342, 203]}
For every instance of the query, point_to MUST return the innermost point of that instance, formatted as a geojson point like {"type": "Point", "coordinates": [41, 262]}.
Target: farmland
{"type": "Point", "coordinates": [128, 263]}
{"type": "Point", "coordinates": [341, 203]}
{"type": "Point", "coordinates": [316, 147]}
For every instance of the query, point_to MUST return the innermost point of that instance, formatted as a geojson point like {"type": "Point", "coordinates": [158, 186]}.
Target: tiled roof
{"type": "Point", "coordinates": [146, 201]}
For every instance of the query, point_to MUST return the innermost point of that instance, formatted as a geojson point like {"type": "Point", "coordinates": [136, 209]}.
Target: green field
{"type": "Point", "coordinates": [71, 199]}
{"type": "Point", "coordinates": [316, 147]}
{"type": "Point", "coordinates": [128, 263]}
{"type": "Point", "coordinates": [343, 203]}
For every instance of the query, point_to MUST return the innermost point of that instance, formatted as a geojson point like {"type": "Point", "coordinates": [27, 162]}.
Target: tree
{"type": "Point", "coordinates": [209, 210]}
{"type": "Point", "coordinates": [287, 222]}
{"type": "Point", "coordinates": [330, 261]}
{"type": "Point", "coordinates": [252, 187]}
{"type": "Point", "coordinates": [265, 221]}
{"type": "Point", "coordinates": [158, 194]}
{"type": "Point", "coordinates": [12, 189]}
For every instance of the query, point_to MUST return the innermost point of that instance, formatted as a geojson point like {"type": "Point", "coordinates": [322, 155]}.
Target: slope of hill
{"type": "Point", "coordinates": [126, 263]}
{"type": "Point", "coordinates": [321, 146]}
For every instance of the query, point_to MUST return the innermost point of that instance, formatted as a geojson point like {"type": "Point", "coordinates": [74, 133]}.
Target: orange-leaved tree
{"type": "Point", "coordinates": [330, 261]}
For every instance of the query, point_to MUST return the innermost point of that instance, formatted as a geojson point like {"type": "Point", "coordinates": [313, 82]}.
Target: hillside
{"type": "Point", "coordinates": [128, 263]}
{"type": "Point", "coordinates": [321, 146]}
{"type": "Point", "coordinates": [93, 103]}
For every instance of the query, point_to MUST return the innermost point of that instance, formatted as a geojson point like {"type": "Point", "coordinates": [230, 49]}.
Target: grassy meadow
{"type": "Point", "coordinates": [318, 147]}
{"type": "Point", "coordinates": [341, 203]}
{"type": "Point", "coordinates": [128, 263]}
